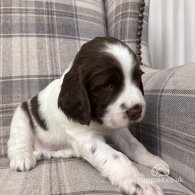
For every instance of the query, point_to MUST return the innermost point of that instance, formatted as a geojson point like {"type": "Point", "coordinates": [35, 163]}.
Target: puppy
{"type": "Point", "coordinates": [97, 97]}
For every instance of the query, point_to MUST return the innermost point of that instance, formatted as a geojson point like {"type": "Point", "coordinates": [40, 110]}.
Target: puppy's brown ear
{"type": "Point", "coordinates": [73, 99]}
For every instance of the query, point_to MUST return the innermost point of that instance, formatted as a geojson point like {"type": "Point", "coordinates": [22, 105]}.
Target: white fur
{"type": "Point", "coordinates": [130, 96]}
{"type": "Point", "coordinates": [122, 54]}
{"type": "Point", "coordinates": [65, 138]}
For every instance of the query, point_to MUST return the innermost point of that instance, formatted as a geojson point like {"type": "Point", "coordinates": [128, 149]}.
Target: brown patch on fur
{"type": "Point", "coordinates": [25, 108]}
{"type": "Point", "coordinates": [36, 113]}
{"type": "Point", "coordinates": [115, 156]}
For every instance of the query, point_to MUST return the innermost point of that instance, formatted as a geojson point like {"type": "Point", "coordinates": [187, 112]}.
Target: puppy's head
{"type": "Point", "coordinates": [104, 85]}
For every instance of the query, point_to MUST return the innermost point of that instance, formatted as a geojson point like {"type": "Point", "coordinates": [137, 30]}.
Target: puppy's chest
{"type": "Point", "coordinates": [55, 138]}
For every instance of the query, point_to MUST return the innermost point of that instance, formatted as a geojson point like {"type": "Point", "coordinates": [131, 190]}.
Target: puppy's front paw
{"type": "Point", "coordinates": [160, 166]}
{"type": "Point", "coordinates": [22, 161]}
{"type": "Point", "coordinates": [131, 187]}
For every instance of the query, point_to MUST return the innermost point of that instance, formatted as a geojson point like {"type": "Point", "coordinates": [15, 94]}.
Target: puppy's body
{"type": "Point", "coordinates": [98, 96]}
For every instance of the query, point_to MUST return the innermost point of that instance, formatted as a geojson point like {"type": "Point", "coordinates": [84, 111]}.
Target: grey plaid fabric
{"type": "Point", "coordinates": [70, 177]}
{"type": "Point", "coordinates": [168, 129]}
{"type": "Point", "coordinates": [122, 23]}
{"type": "Point", "coordinates": [38, 39]}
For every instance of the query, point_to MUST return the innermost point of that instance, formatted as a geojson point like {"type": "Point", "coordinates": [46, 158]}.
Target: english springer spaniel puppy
{"type": "Point", "coordinates": [99, 95]}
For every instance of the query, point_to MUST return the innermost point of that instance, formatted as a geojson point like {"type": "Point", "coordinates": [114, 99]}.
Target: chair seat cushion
{"type": "Point", "coordinates": [70, 176]}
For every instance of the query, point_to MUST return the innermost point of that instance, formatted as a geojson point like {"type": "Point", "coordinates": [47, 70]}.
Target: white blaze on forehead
{"type": "Point", "coordinates": [122, 54]}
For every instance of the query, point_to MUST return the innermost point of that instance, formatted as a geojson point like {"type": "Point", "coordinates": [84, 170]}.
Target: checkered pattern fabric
{"type": "Point", "coordinates": [168, 129]}
{"type": "Point", "coordinates": [71, 177]}
{"type": "Point", "coordinates": [38, 39]}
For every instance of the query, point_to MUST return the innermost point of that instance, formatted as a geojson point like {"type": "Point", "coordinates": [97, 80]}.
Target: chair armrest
{"type": "Point", "coordinates": [168, 128]}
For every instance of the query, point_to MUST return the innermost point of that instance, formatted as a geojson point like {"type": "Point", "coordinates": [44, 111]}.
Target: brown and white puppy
{"type": "Point", "coordinates": [98, 96]}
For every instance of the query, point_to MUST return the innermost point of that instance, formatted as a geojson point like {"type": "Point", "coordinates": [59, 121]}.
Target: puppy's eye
{"type": "Point", "coordinates": [108, 86]}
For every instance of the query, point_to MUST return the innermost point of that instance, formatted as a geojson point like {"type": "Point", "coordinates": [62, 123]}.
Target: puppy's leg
{"type": "Point", "coordinates": [20, 142]}
{"type": "Point", "coordinates": [135, 150]}
{"type": "Point", "coordinates": [116, 167]}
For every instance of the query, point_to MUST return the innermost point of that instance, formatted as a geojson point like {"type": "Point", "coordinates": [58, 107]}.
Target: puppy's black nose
{"type": "Point", "coordinates": [135, 112]}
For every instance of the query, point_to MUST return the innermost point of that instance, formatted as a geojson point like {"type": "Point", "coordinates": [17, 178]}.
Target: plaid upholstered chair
{"type": "Point", "coordinates": [39, 38]}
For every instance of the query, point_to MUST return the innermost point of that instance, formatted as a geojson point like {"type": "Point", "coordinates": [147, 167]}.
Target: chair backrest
{"type": "Point", "coordinates": [38, 40]}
